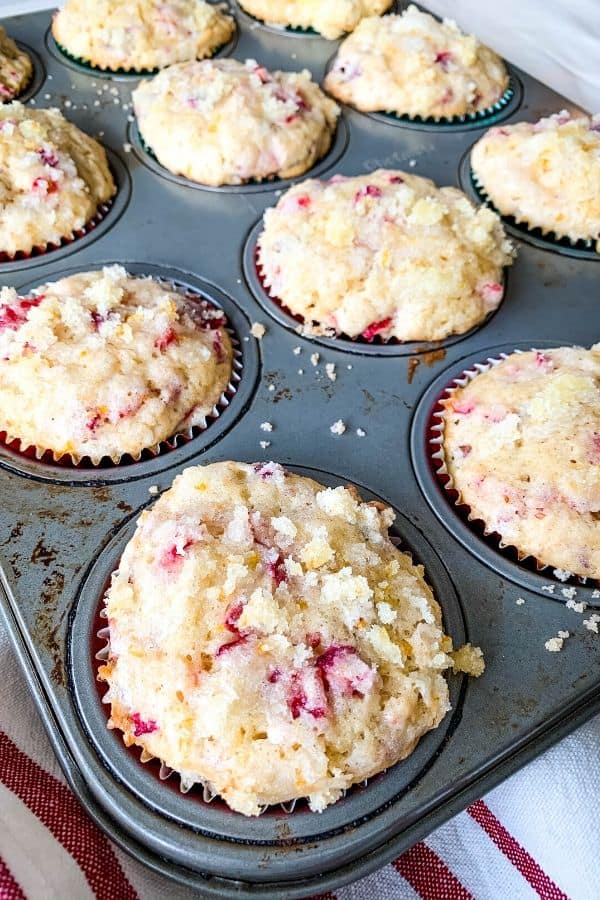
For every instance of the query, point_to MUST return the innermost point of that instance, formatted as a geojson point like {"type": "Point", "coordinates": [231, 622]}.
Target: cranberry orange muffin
{"type": "Point", "coordinates": [521, 443]}
{"type": "Point", "coordinates": [226, 122]}
{"type": "Point", "coordinates": [268, 640]}
{"type": "Point", "coordinates": [414, 65]}
{"type": "Point", "coordinates": [53, 178]}
{"type": "Point", "coordinates": [16, 68]}
{"type": "Point", "coordinates": [147, 34]}
{"type": "Point", "coordinates": [101, 364]}
{"type": "Point", "coordinates": [331, 19]}
{"type": "Point", "coordinates": [545, 175]}
{"type": "Point", "coordinates": [386, 253]}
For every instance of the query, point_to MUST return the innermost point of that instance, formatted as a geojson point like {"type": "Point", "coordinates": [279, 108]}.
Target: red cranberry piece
{"type": "Point", "coordinates": [375, 328]}
{"type": "Point", "coordinates": [274, 675]}
{"type": "Point", "coordinates": [313, 640]}
{"type": "Point", "coordinates": [225, 648]}
{"type": "Point", "coordinates": [161, 343]}
{"type": "Point", "coordinates": [368, 190]}
{"type": "Point", "coordinates": [443, 59]}
{"type": "Point", "coordinates": [276, 569]}
{"type": "Point", "coordinates": [140, 727]}
{"type": "Point", "coordinates": [463, 407]}
{"type": "Point", "coordinates": [44, 186]}
{"type": "Point", "coordinates": [48, 157]}
{"type": "Point", "coordinates": [172, 557]}
{"type": "Point", "coordinates": [307, 694]}
{"type": "Point", "coordinates": [344, 672]}
{"type": "Point", "coordinates": [396, 179]}
{"type": "Point", "coordinates": [218, 347]}
{"type": "Point", "coordinates": [263, 74]}
{"type": "Point", "coordinates": [233, 614]}
{"type": "Point", "coordinates": [12, 317]}
{"type": "Point", "coordinates": [303, 201]}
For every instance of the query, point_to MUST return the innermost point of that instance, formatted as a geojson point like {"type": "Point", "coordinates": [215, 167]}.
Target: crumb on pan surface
{"type": "Point", "coordinates": [268, 639]}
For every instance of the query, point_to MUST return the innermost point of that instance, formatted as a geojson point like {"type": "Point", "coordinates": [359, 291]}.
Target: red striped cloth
{"type": "Point", "coordinates": [499, 848]}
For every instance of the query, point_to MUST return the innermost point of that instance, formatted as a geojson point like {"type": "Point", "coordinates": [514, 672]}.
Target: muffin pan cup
{"type": "Point", "coordinates": [63, 528]}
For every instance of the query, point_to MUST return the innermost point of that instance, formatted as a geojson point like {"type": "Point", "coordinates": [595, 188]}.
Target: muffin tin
{"type": "Point", "coordinates": [63, 528]}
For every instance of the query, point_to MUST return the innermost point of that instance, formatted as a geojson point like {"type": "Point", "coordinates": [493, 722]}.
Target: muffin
{"type": "Point", "coordinates": [102, 364]}
{"type": "Point", "coordinates": [545, 175]}
{"type": "Point", "coordinates": [330, 19]}
{"type": "Point", "coordinates": [414, 65]}
{"type": "Point", "coordinates": [268, 640]}
{"type": "Point", "coordinates": [386, 254]}
{"type": "Point", "coordinates": [142, 36]}
{"type": "Point", "coordinates": [226, 122]}
{"type": "Point", "coordinates": [521, 443]}
{"type": "Point", "coordinates": [53, 178]}
{"type": "Point", "coordinates": [16, 68]}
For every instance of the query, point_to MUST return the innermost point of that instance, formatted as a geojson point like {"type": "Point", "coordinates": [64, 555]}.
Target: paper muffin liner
{"type": "Point", "coordinates": [481, 115]}
{"type": "Point", "coordinates": [126, 70]}
{"type": "Point", "coordinates": [183, 436]}
{"type": "Point", "coordinates": [41, 249]}
{"type": "Point", "coordinates": [370, 336]}
{"type": "Point", "coordinates": [552, 237]}
{"type": "Point", "coordinates": [435, 444]}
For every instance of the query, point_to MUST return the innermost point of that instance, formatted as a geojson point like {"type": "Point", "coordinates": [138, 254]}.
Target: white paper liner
{"type": "Point", "coordinates": [443, 476]}
{"type": "Point", "coordinates": [171, 443]}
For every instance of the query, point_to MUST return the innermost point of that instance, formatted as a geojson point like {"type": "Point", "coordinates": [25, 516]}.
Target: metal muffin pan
{"type": "Point", "coordinates": [63, 528]}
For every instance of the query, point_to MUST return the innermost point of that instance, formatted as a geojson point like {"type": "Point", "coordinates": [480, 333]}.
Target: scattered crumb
{"type": "Point", "coordinates": [297, 351]}
{"type": "Point", "coordinates": [271, 387]}
{"type": "Point", "coordinates": [153, 489]}
{"type": "Point", "coordinates": [338, 427]}
{"type": "Point", "coordinates": [68, 104]}
{"type": "Point", "coordinates": [47, 96]}
{"type": "Point", "coordinates": [131, 118]}
{"type": "Point", "coordinates": [314, 358]}
{"type": "Point", "coordinates": [468, 659]}
{"type": "Point", "coordinates": [520, 601]}
{"type": "Point", "coordinates": [595, 594]}
{"type": "Point", "coordinates": [300, 371]}
{"type": "Point", "coordinates": [265, 444]}
{"type": "Point", "coordinates": [554, 645]}
{"type": "Point", "coordinates": [564, 635]}
{"type": "Point", "coordinates": [561, 574]}
{"type": "Point", "coordinates": [294, 56]}
{"type": "Point", "coordinates": [549, 588]}
{"type": "Point", "coordinates": [266, 426]}
{"type": "Point", "coordinates": [412, 163]}
{"type": "Point", "coordinates": [576, 607]}
{"type": "Point", "coordinates": [257, 330]}
{"type": "Point", "coordinates": [96, 103]}
{"type": "Point", "coordinates": [330, 371]}
{"type": "Point", "coordinates": [568, 592]}
{"type": "Point", "coordinates": [127, 148]}
{"type": "Point", "coordinates": [348, 366]}
{"type": "Point", "coordinates": [361, 432]}
{"type": "Point", "coordinates": [592, 623]}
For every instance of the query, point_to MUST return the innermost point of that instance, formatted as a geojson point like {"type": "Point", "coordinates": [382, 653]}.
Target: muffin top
{"type": "Point", "coordinates": [16, 68]}
{"type": "Point", "coordinates": [53, 178]}
{"type": "Point", "coordinates": [147, 34]}
{"type": "Point", "coordinates": [386, 254]}
{"type": "Point", "coordinates": [522, 446]}
{"type": "Point", "coordinates": [268, 639]}
{"type": "Point", "coordinates": [330, 19]}
{"type": "Point", "coordinates": [414, 65]}
{"type": "Point", "coordinates": [226, 122]}
{"type": "Point", "coordinates": [102, 364]}
{"type": "Point", "coordinates": [546, 174]}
